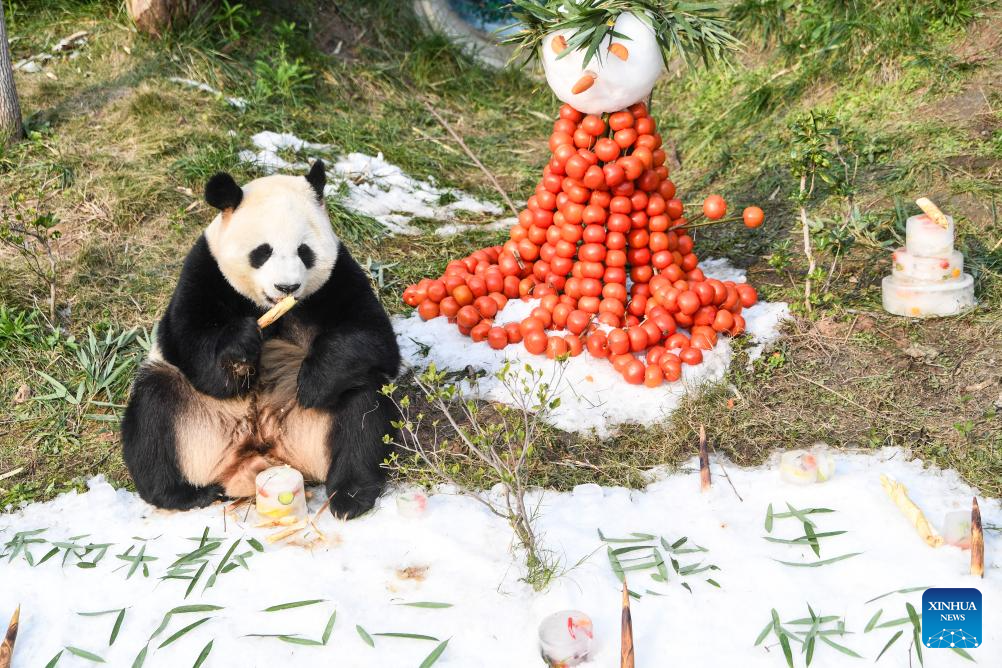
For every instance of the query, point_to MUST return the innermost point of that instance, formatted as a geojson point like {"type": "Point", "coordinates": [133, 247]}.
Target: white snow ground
{"type": "Point", "coordinates": [494, 618]}
{"type": "Point", "coordinates": [367, 184]}
{"type": "Point", "coordinates": [592, 394]}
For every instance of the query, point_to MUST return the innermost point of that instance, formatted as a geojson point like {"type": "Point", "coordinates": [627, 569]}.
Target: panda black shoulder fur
{"type": "Point", "coordinates": [218, 400]}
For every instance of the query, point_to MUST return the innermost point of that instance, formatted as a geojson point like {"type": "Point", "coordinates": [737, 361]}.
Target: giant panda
{"type": "Point", "coordinates": [218, 399]}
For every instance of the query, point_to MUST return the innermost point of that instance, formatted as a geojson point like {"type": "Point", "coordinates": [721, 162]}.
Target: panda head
{"type": "Point", "coordinates": [273, 237]}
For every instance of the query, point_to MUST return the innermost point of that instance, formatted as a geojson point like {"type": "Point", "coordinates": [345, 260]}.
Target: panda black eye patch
{"type": "Point", "coordinates": [260, 255]}
{"type": "Point", "coordinates": [307, 256]}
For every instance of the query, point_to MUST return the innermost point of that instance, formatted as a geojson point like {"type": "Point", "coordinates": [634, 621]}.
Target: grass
{"type": "Point", "coordinates": [118, 154]}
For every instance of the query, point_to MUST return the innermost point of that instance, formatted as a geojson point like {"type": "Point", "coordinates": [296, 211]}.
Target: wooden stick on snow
{"type": "Point", "coordinates": [7, 647]}
{"type": "Point", "coordinates": [276, 312]}
{"type": "Point", "coordinates": [899, 495]}
{"type": "Point", "coordinates": [977, 541]}
{"type": "Point", "coordinates": [626, 642]}
{"type": "Point", "coordinates": [704, 461]}
{"type": "Point", "coordinates": [933, 212]}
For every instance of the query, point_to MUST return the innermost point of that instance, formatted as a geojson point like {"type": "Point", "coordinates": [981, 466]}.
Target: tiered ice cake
{"type": "Point", "coordinates": [928, 277]}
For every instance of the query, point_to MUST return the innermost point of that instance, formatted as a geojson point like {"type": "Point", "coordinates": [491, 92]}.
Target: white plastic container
{"type": "Point", "coordinates": [565, 638]}
{"type": "Point", "coordinates": [280, 493]}
{"type": "Point", "coordinates": [925, 238]}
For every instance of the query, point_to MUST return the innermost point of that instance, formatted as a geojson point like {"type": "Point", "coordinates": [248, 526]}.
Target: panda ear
{"type": "Point", "coordinates": [318, 178]}
{"type": "Point", "coordinates": [222, 192]}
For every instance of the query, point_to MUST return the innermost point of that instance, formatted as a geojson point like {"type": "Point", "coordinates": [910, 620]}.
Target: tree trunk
{"type": "Point", "coordinates": [10, 110]}
{"type": "Point", "coordinates": [153, 17]}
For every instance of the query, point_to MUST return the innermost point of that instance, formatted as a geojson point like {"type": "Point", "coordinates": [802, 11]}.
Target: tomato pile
{"type": "Point", "coordinates": [605, 211]}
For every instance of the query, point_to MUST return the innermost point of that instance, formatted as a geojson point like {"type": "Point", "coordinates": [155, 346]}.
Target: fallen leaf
{"type": "Point", "coordinates": [22, 395]}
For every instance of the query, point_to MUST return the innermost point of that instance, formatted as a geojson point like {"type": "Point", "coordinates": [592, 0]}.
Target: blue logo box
{"type": "Point", "coordinates": [951, 618]}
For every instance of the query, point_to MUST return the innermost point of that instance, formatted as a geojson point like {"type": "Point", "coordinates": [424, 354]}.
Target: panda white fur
{"type": "Point", "coordinates": [218, 400]}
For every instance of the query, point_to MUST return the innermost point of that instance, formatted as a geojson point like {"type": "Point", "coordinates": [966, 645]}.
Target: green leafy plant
{"type": "Point", "coordinates": [689, 30]}
{"type": "Point", "coordinates": [809, 639]}
{"type": "Point", "coordinates": [32, 234]}
{"type": "Point", "coordinates": [282, 77]}
{"type": "Point", "coordinates": [461, 439]}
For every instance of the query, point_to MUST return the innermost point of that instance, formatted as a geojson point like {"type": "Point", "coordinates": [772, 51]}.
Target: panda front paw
{"type": "Point", "coordinates": [312, 391]}
{"type": "Point", "coordinates": [241, 349]}
{"type": "Point", "coordinates": [349, 501]}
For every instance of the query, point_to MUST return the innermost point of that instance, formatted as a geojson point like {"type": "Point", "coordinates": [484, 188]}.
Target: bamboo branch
{"type": "Point", "coordinates": [276, 312]}
{"type": "Point", "coordinates": [977, 541]}
{"type": "Point", "coordinates": [626, 659]}
{"type": "Point", "coordinates": [704, 461]}
{"type": "Point", "coordinates": [7, 647]}
{"type": "Point", "coordinates": [933, 212]}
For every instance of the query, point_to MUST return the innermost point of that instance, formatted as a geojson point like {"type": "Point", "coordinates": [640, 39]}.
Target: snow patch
{"type": "Point", "coordinates": [593, 396]}
{"type": "Point", "coordinates": [369, 185]}
{"type": "Point", "coordinates": [495, 617]}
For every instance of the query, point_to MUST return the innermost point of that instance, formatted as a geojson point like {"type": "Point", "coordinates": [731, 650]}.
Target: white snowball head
{"type": "Point", "coordinates": [622, 71]}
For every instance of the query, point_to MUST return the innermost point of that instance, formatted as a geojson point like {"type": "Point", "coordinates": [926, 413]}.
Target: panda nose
{"type": "Point", "coordinates": [287, 288]}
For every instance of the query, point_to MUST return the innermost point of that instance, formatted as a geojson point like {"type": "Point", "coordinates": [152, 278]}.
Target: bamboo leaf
{"type": "Point", "coordinates": [842, 648]}
{"type": "Point", "coordinates": [182, 610]}
{"type": "Point", "coordinates": [84, 654]}
{"type": "Point", "coordinates": [293, 604]}
{"type": "Point", "coordinates": [963, 654]}
{"type": "Point", "coordinates": [873, 621]}
{"type": "Point", "coordinates": [296, 640]}
{"type": "Point", "coordinates": [815, 564]}
{"type": "Point", "coordinates": [203, 655]}
{"type": "Point", "coordinates": [768, 519]}
{"type": "Point", "coordinates": [117, 627]}
{"type": "Point", "coordinates": [411, 636]}
{"type": "Point", "coordinates": [329, 628]}
{"type": "Point", "coordinates": [908, 590]}
{"type": "Point", "coordinates": [364, 635]}
{"type": "Point", "coordinates": [183, 631]}
{"type": "Point", "coordinates": [765, 632]}
{"type": "Point", "coordinates": [256, 544]}
{"type": "Point", "coordinates": [54, 660]}
{"type": "Point", "coordinates": [435, 654]}
{"type": "Point", "coordinates": [141, 657]}
{"type": "Point", "coordinates": [427, 604]}
{"type": "Point", "coordinates": [887, 646]}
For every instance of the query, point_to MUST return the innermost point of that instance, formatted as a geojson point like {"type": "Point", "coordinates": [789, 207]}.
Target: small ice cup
{"type": "Point", "coordinates": [805, 467]}
{"type": "Point", "coordinates": [957, 529]}
{"type": "Point", "coordinates": [565, 638]}
{"type": "Point", "coordinates": [412, 503]}
{"type": "Point", "coordinates": [280, 493]}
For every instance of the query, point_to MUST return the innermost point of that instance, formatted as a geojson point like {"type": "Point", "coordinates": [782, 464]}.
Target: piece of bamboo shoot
{"type": "Point", "coordinates": [933, 212]}
{"type": "Point", "coordinates": [977, 541]}
{"type": "Point", "coordinates": [7, 647]}
{"type": "Point", "coordinates": [276, 312]}
{"type": "Point", "coordinates": [626, 643]}
{"type": "Point", "coordinates": [704, 461]}
{"type": "Point", "coordinates": [899, 495]}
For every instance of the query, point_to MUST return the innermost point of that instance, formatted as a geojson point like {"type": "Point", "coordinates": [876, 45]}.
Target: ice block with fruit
{"type": "Point", "coordinates": [927, 277]}
{"type": "Point", "coordinates": [280, 493]}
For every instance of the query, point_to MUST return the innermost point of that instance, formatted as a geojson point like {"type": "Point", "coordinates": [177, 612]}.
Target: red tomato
{"type": "Point", "coordinates": [638, 339]}
{"type": "Point", "coordinates": [714, 207]}
{"type": "Point", "coordinates": [574, 345]}
{"type": "Point", "coordinates": [747, 294]}
{"type": "Point", "coordinates": [428, 310]}
{"type": "Point", "coordinates": [593, 125]}
{"type": "Point", "coordinates": [535, 341]}
{"type": "Point", "coordinates": [677, 340]}
{"type": "Point", "coordinates": [559, 138]}
{"type": "Point", "coordinates": [598, 344]}
{"type": "Point", "coordinates": [556, 347]}
{"type": "Point", "coordinates": [634, 371]}
{"type": "Point", "coordinates": [606, 149]}
{"type": "Point", "coordinates": [449, 307]}
{"type": "Point", "coordinates": [614, 174]}
{"type": "Point", "coordinates": [631, 165]}
{"type": "Point", "coordinates": [753, 216]}
{"type": "Point", "coordinates": [479, 332]}
{"type": "Point", "coordinates": [620, 120]}
{"type": "Point", "coordinates": [577, 321]}
{"type": "Point", "coordinates": [674, 207]}
{"type": "Point", "coordinates": [688, 302]}
{"type": "Point", "coordinates": [570, 113]}
{"type": "Point", "coordinates": [497, 338]}
{"type": "Point", "coordinates": [619, 342]}
{"type": "Point", "coordinates": [513, 333]}
{"type": "Point", "coordinates": [653, 376]}
{"type": "Point", "coordinates": [625, 138]}
{"type": "Point", "coordinates": [691, 356]}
